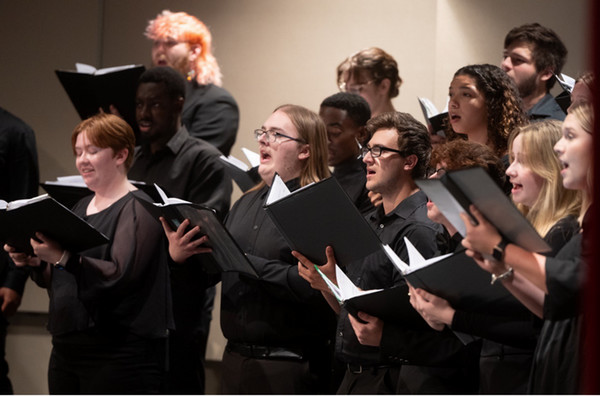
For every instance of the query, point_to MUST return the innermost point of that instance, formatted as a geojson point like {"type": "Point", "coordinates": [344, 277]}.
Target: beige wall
{"type": "Point", "coordinates": [271, 52]}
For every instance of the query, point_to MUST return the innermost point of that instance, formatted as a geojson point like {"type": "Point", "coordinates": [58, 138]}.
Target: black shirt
{"type": "Point", "coordinates": [118, 288]}
{"type": "Point", "coordinates": [280, 308]}
{"type": "Point", "coordinates": [546, 108]}
{"type": "Point", "coordinates": [210, 113]}
{"type": "Point", "coordinates": [400, 344]}
{"type": "Point", "coordinates": [188, 168]}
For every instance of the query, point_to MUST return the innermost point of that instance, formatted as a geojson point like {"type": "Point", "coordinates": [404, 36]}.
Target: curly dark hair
{"type": "Point", "coordinates": [413, 137]}
{"type": "Point", "coordinates": [547, 48]}
{"type": "Point", "coordinates": [461, 154]}
{"type": "Point", "coordinates": [503, 104]}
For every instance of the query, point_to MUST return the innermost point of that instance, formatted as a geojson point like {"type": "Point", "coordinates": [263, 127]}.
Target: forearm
{"type": "Point", "coordinates": [531, 265]}
{"type": "Point", "coordinates": [526, 292]}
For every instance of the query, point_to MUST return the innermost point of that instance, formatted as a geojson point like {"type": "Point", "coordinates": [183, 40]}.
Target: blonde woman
{"type": "Point", "coordinates": [537, 190]}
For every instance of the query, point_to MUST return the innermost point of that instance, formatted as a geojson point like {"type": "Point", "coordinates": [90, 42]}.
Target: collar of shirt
{"type": "Point", "coordinates": [173, 145]}
{"type": "Point", "coordinates": [403, 210]}
{"type": "Point", "coordinates": [547, 107]}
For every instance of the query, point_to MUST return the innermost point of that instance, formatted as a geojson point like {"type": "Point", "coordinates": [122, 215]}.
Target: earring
{"type": "Point", "coordinates": [191, 74]}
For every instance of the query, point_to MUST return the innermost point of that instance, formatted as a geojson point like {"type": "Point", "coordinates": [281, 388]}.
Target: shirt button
{"type": "Point", "coordinates": [381, 225]}
{"type": "Point", "coordinates": [255, 227]}
{"type": "Point", "coordinates": [341, 334]}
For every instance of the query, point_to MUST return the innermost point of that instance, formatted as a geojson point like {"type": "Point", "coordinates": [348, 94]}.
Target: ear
{"type": "Point", "coordinates": [121, 156]}
{"type": "Point", "coordinates": [179, 104]}
{"type": "Point", "coordinates": [304, 152]}
{"type": "Point", "coordinates": [410, 162]}
{"type": "Point", "coordinates": [384, 85]}
{"type": "Point", "coordinates": [361, 135]}
{"type": "Point", "coordinates": [546, 74]}
{"type": "Point", "coordinates": [195, 51]}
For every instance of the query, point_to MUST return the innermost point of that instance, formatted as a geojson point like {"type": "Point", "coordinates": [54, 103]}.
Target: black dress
{"type": "Point", "coordinates": [110, 307]}
{"type": "Point", "coordinates": [509, 341]}
{"type": "Point", "coordinates": [556, 367]}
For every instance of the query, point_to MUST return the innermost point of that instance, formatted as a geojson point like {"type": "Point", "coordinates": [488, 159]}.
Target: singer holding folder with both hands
{"type": "Point", "coordinates": [110, 307]}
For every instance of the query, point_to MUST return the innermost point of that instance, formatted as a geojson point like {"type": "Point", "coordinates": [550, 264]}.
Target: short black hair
{"type": "Point", "coordinates": [171, 78]}
{"type": "Point", "coordinates": [413, 137]}
{"type": "Point", "coordinates": [356, 106]}
{"type": "Point", "coordinates": [548, 49]}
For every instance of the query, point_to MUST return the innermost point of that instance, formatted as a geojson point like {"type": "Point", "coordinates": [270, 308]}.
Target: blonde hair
{"type": "Point", "coordinates": [584, 112]}
{"type": "Point", "coordinates": [183, 27]}
{"type": "Point", "coordinates": [311, 130]}
{"type": "Point", "coordinates": [554, 202]}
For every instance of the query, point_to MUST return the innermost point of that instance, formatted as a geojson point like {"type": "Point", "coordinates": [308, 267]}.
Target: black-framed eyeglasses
{"type": "Point", "coordinates": [273, 136]}
{"type": "Point", "coordinates": [376, 151]}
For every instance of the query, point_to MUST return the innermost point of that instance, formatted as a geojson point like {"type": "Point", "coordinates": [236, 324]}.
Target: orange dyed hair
{"type": "Point", "coordinates": [183, 27]}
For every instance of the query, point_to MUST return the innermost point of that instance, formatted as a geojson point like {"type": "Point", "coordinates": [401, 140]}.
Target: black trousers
{"type": "Point", "coordinates": [92, 366]}
{"type": "Point", "coordinates": [246, 375]}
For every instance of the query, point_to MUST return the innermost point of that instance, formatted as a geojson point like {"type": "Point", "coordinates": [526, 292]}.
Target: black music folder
{"type": "Point", "coordinates": [90, 89]}
{"type": "Point", "coordinates": [456, 190]}
{"type": "Point", "coordinates": [20, 220]}
{"type": "Point", "coordinates": [458, 279]}
{"type": "Point", "coordinates": [390, 305]}
{"type": "Point", "coordinates": [68, 190]}
{"type": "Point", "coordinates": [320, 215]}
{"type": "Point", "coordinates": [225, 251]}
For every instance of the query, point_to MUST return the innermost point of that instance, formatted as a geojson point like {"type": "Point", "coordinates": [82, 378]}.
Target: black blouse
{"type": "Point", "coordinates": [118, 288]}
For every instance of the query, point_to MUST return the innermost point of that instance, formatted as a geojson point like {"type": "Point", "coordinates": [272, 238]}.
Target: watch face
{"type": "Point", "coordinates": [497, 253]}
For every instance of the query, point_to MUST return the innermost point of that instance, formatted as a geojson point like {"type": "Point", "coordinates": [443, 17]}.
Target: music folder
{"type": "Point", "coordinates": [225, 251]}
{"type": "Point", "coordinates": [454, 192]}
{"type": "Point", "coordinates": [320, 215]}
{"type": "Point", "coordinates": [20, 220]}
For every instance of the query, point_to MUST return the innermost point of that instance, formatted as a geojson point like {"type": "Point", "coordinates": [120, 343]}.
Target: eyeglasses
{"type": "Point", "coordinates": [273, 136]}
{"type": "Point", "coordinates": [354, 88]}
{"type": "Point", "coordinates": [439, 172]}
{"type": "Point", "coordinates": [376, 151]}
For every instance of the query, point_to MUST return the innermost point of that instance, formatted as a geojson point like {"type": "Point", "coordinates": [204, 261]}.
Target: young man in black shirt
{"type": "Point", "coordinates": [190, 169]}
{"type": "Point", "coordinates": [392, 357]}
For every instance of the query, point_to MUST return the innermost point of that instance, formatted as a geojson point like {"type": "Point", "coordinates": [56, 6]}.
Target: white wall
{"type": "Point", "coordinates": [271, 52]}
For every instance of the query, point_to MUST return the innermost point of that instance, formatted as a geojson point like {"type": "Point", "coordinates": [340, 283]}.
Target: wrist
{"type": "Point", "coordinates": [62, 261]}
{"type": "Point", "coordinates": [508, 274]}
{"type": "Point", "coordinates": [499, 249]}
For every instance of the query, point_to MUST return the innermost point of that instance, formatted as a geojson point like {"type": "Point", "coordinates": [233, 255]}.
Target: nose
{"type": "Point", "coordinates": [510, 171]}
{"type": "Point", "coordinates": [506, 64]}
{"type": "Point", "coordinates": [558, 147]}
{"type": "Point", "coordinates": [368, 158]}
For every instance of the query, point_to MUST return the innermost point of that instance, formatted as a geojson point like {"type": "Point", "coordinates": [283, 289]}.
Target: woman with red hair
{"type": "Point", "coordinates": [183, 42]}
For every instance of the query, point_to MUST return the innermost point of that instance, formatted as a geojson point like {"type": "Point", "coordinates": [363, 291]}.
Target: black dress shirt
{"type": "Point", "coordinates": [352, 176]}
{"type": "Point", "coordinates": [188, 168]}
{"type": "Point", "coordinates": [210, 113]}
{"type": "Point", "coordinates": [280, 308]}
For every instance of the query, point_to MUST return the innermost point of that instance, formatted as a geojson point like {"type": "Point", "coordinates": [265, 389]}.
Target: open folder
{"type": "Point", "coordinates": [20, 220]}
{"type": "Point", "coordinates": [90, 89]}
{"type": "Point", "coordinates": [320, 215]}
{"type": "Point", "coordinates": [225, 251]}
{"type": "Point", "coordinates": [390, 305]}
{"type": "Point", "coordinates": [68, 190]}
{"type": "Point", "coordinates": [454, 192]}
{"type": "Point", "coordinates": [456, 278]}
{"type": "Point", "coordinates": [245, 177]}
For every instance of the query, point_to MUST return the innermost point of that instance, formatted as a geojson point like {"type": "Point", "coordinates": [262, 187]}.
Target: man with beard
{"type": "Point", "coordinates": [533, 54]}
{"type": "Point", "coordinates": [190, 169]}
